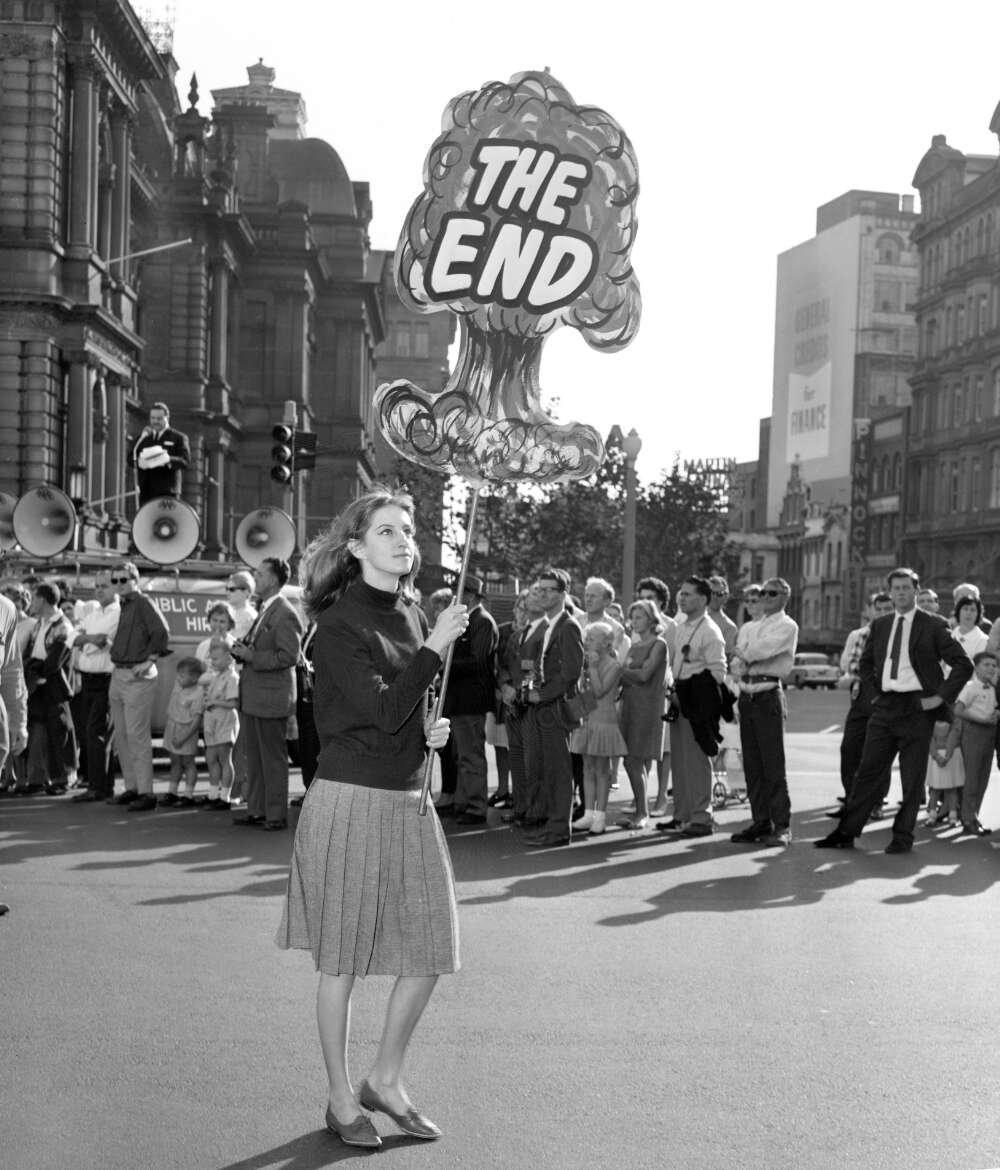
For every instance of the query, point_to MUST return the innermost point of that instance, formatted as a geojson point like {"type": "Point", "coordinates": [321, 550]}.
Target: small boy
{"type": "Point", "coordinates": [976, 706]}
{"type": "Point", "coordinates": [221, 723]}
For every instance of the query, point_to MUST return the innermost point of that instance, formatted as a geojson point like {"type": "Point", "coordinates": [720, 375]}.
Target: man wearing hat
{"type": "Point", "coordinates": [471, 693]}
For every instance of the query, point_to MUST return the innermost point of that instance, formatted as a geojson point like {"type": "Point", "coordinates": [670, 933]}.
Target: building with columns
{"type": "Point", "coordinates": [274, 309]}
{"type": "Point", "coordinates": [951, 494]}
{"type": "Point", "coordinates": [75, 83]}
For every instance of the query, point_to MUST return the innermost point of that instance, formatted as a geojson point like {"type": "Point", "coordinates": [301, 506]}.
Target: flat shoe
{"type": "Point", "coordinates": [358, 1132]}
{"type": "Point", "coordinates": [274, 826]}
{"type": "Point", "coordinates": [141, 804]}
{"type": "Point", "coordinates": [411, 1122]}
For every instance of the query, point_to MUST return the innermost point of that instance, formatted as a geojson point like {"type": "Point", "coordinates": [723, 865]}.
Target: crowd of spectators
{"type": "Point", "coordinates": [568, 693]}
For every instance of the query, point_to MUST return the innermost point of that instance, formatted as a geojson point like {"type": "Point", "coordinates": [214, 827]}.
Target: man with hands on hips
{"type": "Point", "coordinates": [902, 661]}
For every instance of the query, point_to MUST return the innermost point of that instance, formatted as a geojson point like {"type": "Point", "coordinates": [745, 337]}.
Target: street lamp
{"type": "Point", "coordinates": [631, 445]}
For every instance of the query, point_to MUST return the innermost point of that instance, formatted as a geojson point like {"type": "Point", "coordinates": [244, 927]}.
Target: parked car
{"type": "Point", "coordinates": [812, 669]}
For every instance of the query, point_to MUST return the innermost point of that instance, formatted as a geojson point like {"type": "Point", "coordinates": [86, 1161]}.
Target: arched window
{"type": "Point", "coordinates": [995, 478]}
{"type": "Point", "coordinates": [967, 242]}
{"type": "Point", "coordinates": [897, 472]}
{"type": "Point", "coordinates": [886, 473]}
{"type": "Point", "coordinates": [981, 237]}
{"type": "Point", "coordinates": [956, 245]}
{"type": "Point", "coordinates": [989, 232]}
{"type": "Point", "coordinates": [949, 317]}
{"type": "Point", "coordinates": [888, 249]}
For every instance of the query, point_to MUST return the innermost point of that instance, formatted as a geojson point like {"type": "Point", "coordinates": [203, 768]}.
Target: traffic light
{"type": "Point", "coordinates": [293, 451]}
{"type": "Point", "coordinates": [283, 454]}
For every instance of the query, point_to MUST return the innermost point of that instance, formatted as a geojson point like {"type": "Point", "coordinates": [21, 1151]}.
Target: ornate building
{"type": "Point", "coordinates": [273, 310]}
{"type": "Point", "coordinates": [76, 83]}
{"type": "Point", "coordinates": [845, 345]}
{"type": "Point", "coordinates": [952, 493]}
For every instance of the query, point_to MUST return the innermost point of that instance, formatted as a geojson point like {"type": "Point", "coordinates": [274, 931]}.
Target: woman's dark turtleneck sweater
{"type": "Point", "coordinates": [372, 674]}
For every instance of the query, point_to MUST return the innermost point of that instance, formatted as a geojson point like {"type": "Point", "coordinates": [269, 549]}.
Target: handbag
{"type": "Point", "coordinates": [577, 707]}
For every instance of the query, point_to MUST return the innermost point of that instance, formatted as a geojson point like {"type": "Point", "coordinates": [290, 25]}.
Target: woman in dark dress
{"type": "Point", "coordinates": [370, 890]}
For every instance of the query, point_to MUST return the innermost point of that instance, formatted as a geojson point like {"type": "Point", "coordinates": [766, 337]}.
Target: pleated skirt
{"type": "Point", "coordinates": [370, 888]}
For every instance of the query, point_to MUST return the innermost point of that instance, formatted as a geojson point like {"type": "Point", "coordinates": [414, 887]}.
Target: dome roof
{"type": "Point", "coordinates": [310, 171]}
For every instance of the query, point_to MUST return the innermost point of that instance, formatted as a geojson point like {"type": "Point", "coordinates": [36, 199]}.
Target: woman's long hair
{"type": "Point", "coordinates": [328, 566]}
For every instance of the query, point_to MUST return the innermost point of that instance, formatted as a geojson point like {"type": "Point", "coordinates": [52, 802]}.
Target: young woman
{"type": "Point", "coordinates": [370, 890]}
{"type": "Point", "coordinates": [599, 740]}
{"type": "Point", "coordinates": [642, 705]}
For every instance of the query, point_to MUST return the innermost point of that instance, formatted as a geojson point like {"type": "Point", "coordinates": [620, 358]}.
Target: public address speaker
{"type": "Point", "coordinates": [166, 530]}
{"type": "Point", "coordinates": [44, 521]}
{"type": "Point", "coordinates": [7, 505]}
{"type": "Point", "coordinates": [265, 532]}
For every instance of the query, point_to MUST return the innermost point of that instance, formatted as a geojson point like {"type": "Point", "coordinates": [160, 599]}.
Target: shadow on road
{"type": "Point", "coordinates": [255, 864]}
{"type": "Point", "coordinates": [312, 1151]}
{"type": "Point", "coordinates": [797, 876]}
{"type": "Point", "coordinates": [107, 839]}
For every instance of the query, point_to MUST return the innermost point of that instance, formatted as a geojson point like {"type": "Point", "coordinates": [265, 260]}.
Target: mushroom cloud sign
{"type": "Point", "coordinates": [526, 223]}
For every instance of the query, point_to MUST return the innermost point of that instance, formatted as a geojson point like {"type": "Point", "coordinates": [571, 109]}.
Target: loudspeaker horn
{"type": "Point", "coordinates": [266, 532]}
{"type": "Point", "coordinates": [44, 521]}
{"type": "Point", "coordinates": [7, 505]}
{"type": "Point", "coordinates": [166, 530]}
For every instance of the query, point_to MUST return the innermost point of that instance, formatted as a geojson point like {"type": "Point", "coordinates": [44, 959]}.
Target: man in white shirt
{"type": "Point", "coordinates": [13, 693]}
{"type": "Point", "coordinates": [698, 657]}
{"type": "Point", "coordinates": [902, 660]}
{"type": "Point", "coordinates": [92, 652]}
{"type": "Point", "coordinates": [765, 653]}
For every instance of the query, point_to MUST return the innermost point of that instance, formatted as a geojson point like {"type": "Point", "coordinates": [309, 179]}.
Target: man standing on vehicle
{"type": "Point", "coordinates": [765, 652]}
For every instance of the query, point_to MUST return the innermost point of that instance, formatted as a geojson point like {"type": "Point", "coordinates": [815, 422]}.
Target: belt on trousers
{"type": "Point", "coordinates": [763, 678]}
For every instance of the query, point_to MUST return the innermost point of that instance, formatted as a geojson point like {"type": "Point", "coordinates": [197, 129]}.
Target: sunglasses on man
{"type": "Point", "coordinates": [772, 593]}
{"type": "Point", "coordinates": [119, 580]}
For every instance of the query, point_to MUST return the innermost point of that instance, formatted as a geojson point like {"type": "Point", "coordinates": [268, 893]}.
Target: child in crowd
{"type": "Point", "coordinates": [180, 735]}
{"type": "Point", "coordinates": [221, 624]}
{"type": "Point", "coordinates": [945, 771]}
{"type": "Point", "coordinates": [221, 722]}
{"type": "Point", "coordinates": [976, 708]}
{"type": "Point", "coordinates": [599, 740]}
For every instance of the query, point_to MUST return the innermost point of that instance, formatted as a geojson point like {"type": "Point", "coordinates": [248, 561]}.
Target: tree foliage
{"type": "Point", "coordinates": [580, 527]}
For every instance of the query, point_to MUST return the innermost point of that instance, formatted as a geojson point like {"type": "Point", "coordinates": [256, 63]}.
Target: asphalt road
{"type": "Point", "coordinates": [625, 1002]}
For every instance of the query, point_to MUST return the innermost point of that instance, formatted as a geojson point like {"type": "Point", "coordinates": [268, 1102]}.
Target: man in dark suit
{"type": "Point", "coordinates": [268, 654]}
{"type": "Point", "coordinates": [471, 693]}
{"type": "Point", "coordinates": [51, 747]}
{"type": "Point", "coordinates": [159, 457]}
{"type": "Point", "coordinates": [546, 731]}
{"type": "Point", "coordinates": [518, 672]}
{"type": "Point", "coordinates": [901, 664]}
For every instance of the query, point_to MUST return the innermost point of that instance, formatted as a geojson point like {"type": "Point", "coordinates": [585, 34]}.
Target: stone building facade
{"type": "Point", "coordinates": [76, 84]}
{"type": "Point", "coordinates": [274, 310]}
{"type": "Point", "coordinates": [952, 495]}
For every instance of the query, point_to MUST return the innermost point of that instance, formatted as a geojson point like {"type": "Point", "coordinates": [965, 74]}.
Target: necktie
{"type": "Point", "coordinates": [897, 647]}
{"type": "Point", "coordinates": [252, 632]}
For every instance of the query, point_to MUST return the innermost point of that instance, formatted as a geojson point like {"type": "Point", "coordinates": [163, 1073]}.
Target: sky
{"type": "Point", "coordinates": [744, 119]}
